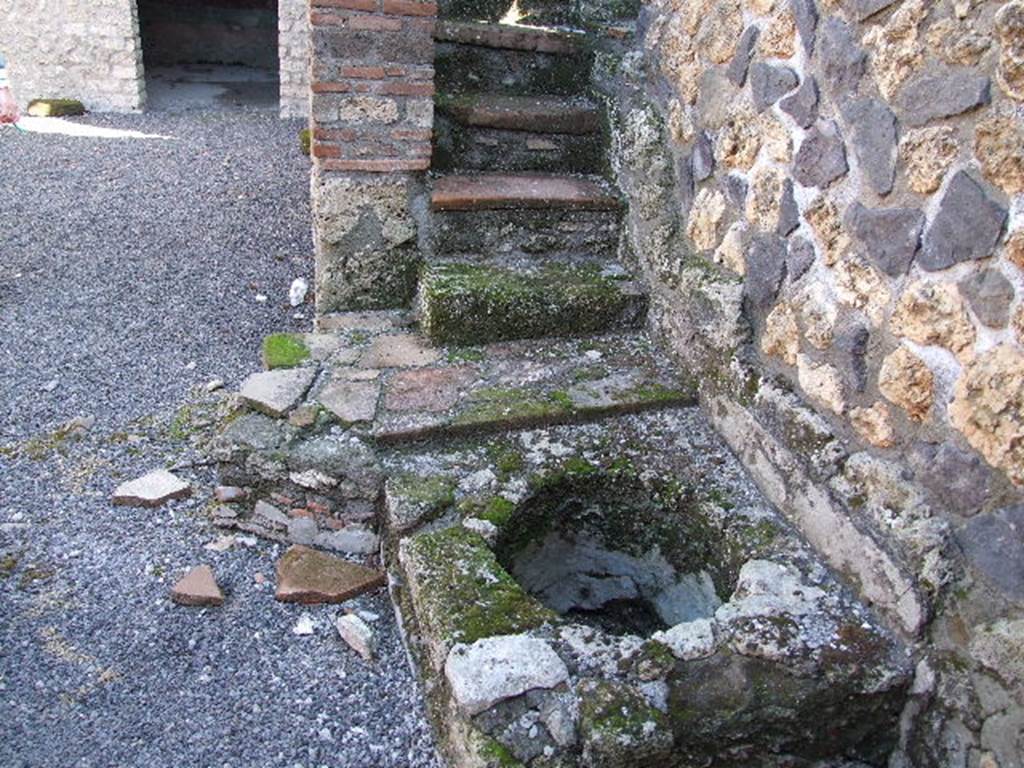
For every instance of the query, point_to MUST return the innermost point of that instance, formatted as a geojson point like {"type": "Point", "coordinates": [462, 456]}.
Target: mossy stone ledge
{"type": "Point", "coordinates": [474, 304]}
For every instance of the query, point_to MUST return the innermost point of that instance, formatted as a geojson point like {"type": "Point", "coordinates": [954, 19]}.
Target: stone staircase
{"type": "Point", "coordinates": [522, 377]}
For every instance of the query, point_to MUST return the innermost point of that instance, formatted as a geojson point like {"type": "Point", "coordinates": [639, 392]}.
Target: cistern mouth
{"type": "Point", "coordinates": [606, 551]}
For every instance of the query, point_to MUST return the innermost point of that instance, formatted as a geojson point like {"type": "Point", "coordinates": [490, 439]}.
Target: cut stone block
{"type": "Point", "coordinates": [307, 576]}
{"type": "Point", "coordinates": [152, 490]}
{"type": "Point", "coordinates": [467, 304]}
{"type": "Point", "coordinates": [351, 401]}
{"type": "Point", "coordinates": [198, 587]}
{"type": "Point", "coordinates": [277, 392]}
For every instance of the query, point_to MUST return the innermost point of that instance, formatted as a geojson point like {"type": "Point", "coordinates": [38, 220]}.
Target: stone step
{"type": "Point", "coordinates": [484, 132]}
{"type": "Point", "coordinates": [459, 148]}
{"type": "Point", "coordinates": [512, 37]}
{"type": "Point", "coordinates": [536, 114]}
{"type": "Point", "coordinates": [463, 303]}
{"type": "Point", "coordinates": [392, 385]}
{"type": "Point", "coordinates": [507, 191]}
{"type": "Point", "coordinates": [496, 59]}
{"type": "Point", "coordinates": [509, 215]}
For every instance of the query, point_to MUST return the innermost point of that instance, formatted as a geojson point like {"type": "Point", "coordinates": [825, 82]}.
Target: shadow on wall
{"type": "Point", "coordinates": [242, 32]}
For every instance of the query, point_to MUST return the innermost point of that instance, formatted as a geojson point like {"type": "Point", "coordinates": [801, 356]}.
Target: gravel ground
{"type": "Point", "coordinates": [129, 276]}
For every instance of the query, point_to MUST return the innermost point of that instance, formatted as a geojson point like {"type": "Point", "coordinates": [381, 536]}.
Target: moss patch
{"type": "Point", "coordinates": [471, 304]}
{"type": "Point", "coordinates": [284, 350]}
{"type": "Point", "coordinates": [620, 728]}
{"type": "Point", "coordinates": [463, 594]}
{"type": "Point", "coordinates": [55, 108]}
{"type": "Point", "coordinates": [305, 141]}
{"type": "Point", "coordinates": [499, 404]}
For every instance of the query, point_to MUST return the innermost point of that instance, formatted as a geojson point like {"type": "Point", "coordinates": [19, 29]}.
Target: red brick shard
{"type": "Point", "coordinates": [198, 587]}
{"type": "Point", "coordinates": [305, 575]}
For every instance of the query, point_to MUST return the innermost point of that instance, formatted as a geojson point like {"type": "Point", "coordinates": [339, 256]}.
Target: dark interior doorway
{"type": "Point", "coordinates": [210, 53]}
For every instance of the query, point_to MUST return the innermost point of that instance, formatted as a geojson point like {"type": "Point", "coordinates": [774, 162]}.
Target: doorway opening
{"type": "Point", "coordinates": [202, 54]}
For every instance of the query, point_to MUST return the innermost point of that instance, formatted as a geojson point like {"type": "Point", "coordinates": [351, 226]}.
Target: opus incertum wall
{"type": "Point", "coordinates": [826, 196]}
{"type": "Point", "coordinates": [93, 52]}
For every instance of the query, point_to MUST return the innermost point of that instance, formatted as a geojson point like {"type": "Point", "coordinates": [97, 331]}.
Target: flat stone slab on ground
{"type": "Point", "coordinates": [277, 392]}
{"type": "Point", "coordinates": [152, 490]}
{"type": "Point", "coordinates": [198, 587]}
{"type": "Point", "coordinates": [305, 575]}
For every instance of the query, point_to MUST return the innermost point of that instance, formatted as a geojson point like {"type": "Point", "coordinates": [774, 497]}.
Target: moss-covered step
{"type": "Point", "coordinates": [479, 304]}
{"type": "Point", "coordinates": [55, 108]}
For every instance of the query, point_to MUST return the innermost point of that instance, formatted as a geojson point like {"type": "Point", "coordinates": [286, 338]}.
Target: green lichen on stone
{"type": "Point", "coordinates": [497, 510]}
{"type": "Point", "coordinates": [619, 728]}
{"type": "Point", "coordinates": [463, 594]}
{"type": "Point", "coordinates": [55, 108]}
{"type": "Point", "coordinates": [505, 404]}
{"type": "Point", "coordinates": [497, 755]}
{"type": "Point", "coordinates": [435, 491]}
{"type": "Point", "coordinates": [506, 459]}
{"type": "Point", "coordinates": [472, 304]}
{"type": "Point", "coordinates": [465, 355]}
{"type": "Point", "coordinates": [653, 392]}
{"type": "Point", "coordinates": [284, 350]}
{"type": "Point", "coordinates": [305, 141]}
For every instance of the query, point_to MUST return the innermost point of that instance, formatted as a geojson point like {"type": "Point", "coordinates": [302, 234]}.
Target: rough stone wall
{"type": "Point", "coordinates": [68, 49]}
{"type": "Point", "coordinates": [827, 198]}
{"type": "Point", "coordinates": [293, 47]}
{"type": "Point", "coordinates": [372, 112]}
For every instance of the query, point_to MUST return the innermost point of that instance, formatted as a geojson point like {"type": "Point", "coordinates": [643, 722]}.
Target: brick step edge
{"type": "Point", "coordinates": [509, 37]}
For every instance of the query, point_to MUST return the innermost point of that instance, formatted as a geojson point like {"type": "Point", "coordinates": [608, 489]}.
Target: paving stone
{"type": "Point", "coordinates": [873, 138]}
{"type": "Point", "coordinates": [769, 83]}
{"type": "Point", "coordinates": [802, 104]}
{"type": "Point", "coordinates": [492, 191]}
{"type": "Point", "coordinates": [821, 158]}
{"type": "Point", "coordinates": [537, 114]}
{"type": "Point", "coordinates": [404, 350]}
{"type": "Point", "coordinates": [703, 158]}
{"type": "Point", "coordinates": [307, 576]}
{"type": "Point", "coordinates": [766, 266]}
{"type": "Point", "coordinates": [198, 587]}
{"type": "Point", "coordinates": [151, 490]}
{"type": "Point", "coordinates": [277, 392]}
{"type": "Point", "coordinates": [357, 634]}
{"type": "Point", "coordinates": [737, 69]}
{"type": "Point", "coordinates": [806, 15]}
{"type": "Point", "coordinates": [862, 9]}
{"type": "Point", "coordinates": [936, 94]}
{"type": "Point", "coordinates": [842, 60]}
{"type": "Point", "coordinates": [351, 401]}
{"type": "Point", "coordinates": [890, 237]}
{"type": "Point", "coordinates": [994, 544]}
{"type": "Point", "coordinates": [799, 257]}
{"type": "Point", "coordinates": [302, 530]}
{"type": "Point", "coordinates": [990, 295]}
{"type": "Point", "coordinates": [431, 389]}
{"type": "Point", "coordinates": [967, 226]}
{"type": "Point", "coordinates": [270, 516]}
{"type": "Point", "coordinates": [497, 668]}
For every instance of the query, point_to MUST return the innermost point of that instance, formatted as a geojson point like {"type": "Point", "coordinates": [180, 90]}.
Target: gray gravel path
{"type": "Point", "coordinates": [129, 271]}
